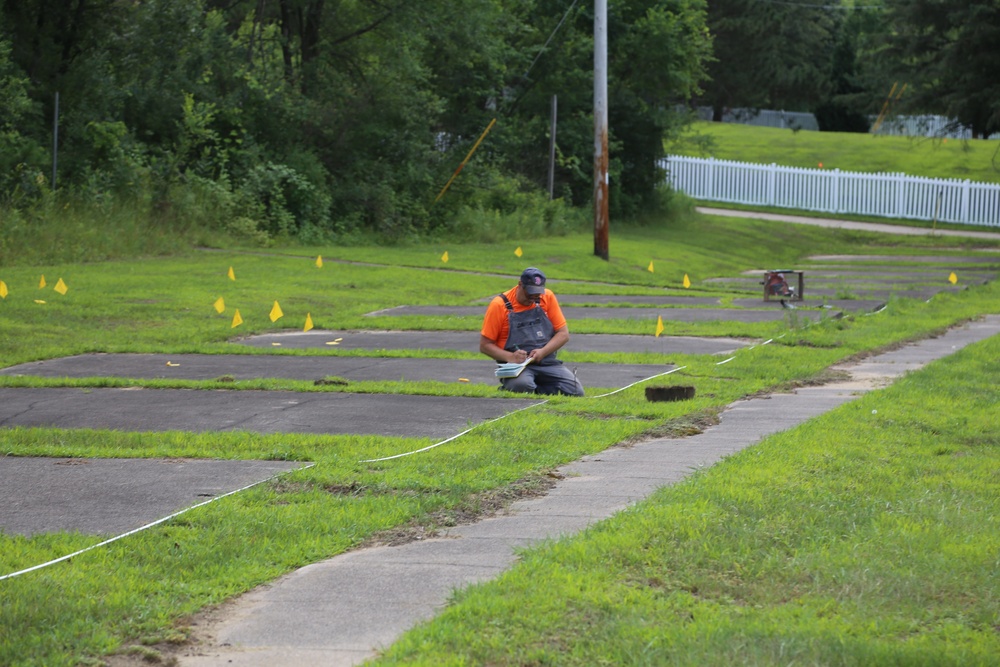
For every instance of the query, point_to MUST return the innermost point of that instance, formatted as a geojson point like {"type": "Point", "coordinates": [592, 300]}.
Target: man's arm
{"type": "Point", "coordinates": [494, 351]}
{"type": "Point", "coordinates": [559, 338]}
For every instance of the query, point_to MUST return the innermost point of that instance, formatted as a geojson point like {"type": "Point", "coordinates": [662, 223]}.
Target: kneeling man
{"type": "Point", "coordinates": [527, 322]}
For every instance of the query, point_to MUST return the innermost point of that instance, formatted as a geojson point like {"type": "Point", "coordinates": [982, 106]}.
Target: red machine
{"type": "Point", "coordinates": [776, 285]}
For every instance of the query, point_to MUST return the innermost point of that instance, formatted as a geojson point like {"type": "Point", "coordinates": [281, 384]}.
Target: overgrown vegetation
{"type": "Point", "coordinates": [320, 120]}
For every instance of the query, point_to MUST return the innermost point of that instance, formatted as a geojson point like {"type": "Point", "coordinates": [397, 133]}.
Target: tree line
{"type": "Point", "coordinates": [842, 60]}
{"type": "Point", "coordinates": [324, 118]}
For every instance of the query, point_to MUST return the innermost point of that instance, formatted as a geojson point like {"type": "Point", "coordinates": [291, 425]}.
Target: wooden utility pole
{"type": "Point", "coordinates": [601, 128]}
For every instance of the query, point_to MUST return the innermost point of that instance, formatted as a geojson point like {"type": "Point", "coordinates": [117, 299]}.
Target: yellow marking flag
{"type": "Point", "coordinates": [953, 278]}
{"type": "Point", "coordinates": [319, 261]}
{"type": "Point", "coordinates": [39, 301]}
{"type": "Point", "coordinates": [3, 290]}
{"type": "Point", "coordinates": [444, 257]}
{"type": "Point", "coordinates": [41, 283]}
{"type": "Point", "coordinates": [309, 322]}
{"type": "Point", "coordinates": [237, 320]}
{"type": "Point", "coordinates": [659, 325]}
{"type": "Point", "coordinates": [219, 305]}
{"type": "Point", "coordinates": [232, 274]}
{"type": "Point", "coordinates": [61, 287]}
{"type": "Point", "coordinates": [276, 312]}
{"type": "Point", "coordinates": [687, 281]}
{"type": "Point", "coordinates": [518, 251]}
{"type": "Point", "coordinates": [650, 267]}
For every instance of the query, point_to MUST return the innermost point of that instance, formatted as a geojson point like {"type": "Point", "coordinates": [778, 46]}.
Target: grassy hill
{"type": "Point", "coordinates": [973, 159]}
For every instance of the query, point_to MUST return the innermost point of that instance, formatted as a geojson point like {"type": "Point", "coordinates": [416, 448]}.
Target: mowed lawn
{"type": "Point", "coordinates": [867, 536]}
{"type": "Point", "coordinates": [815, 546]}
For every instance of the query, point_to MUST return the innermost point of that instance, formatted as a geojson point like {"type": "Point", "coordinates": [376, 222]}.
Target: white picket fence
{"type": "Point", "coordinates": [835, 191]}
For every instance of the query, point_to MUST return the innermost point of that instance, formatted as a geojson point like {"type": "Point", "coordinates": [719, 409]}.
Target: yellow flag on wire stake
{"type": "Point", "coordinates": [237, 320]}
{"type": "Point", "coordinates": [42, 283]}
{"type": "Point", "coordinates": [220, 306]}
{"type": "Point", "coordinates": [687, 281]}
{"type": "Point", "coordinates": [232, 274]}
{"type": "Point", "coordinates": [444, 257]}
{"type": "Point", "coordinates": [659, 325]}
{"type": "Point", "coordinates": [650, 267]}
{"type": "Point", "coordinates": [953, 278]}
{"type": "Point", "coordinates": [309, 322]}
{"type": "Point", "coordinates": [319, 261]}
{"type": "Point", "coordinates": [276, 313]}
{"type": "Point", "coordinates": [3, 290]}
{"type": "Point", "coordinates": [518, 251]}
{"type": "Point", "coordinates": [61, 287]}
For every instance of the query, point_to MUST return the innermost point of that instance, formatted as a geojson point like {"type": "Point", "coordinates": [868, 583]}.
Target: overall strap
{"type": "Point", "coordinates": [506, 302]}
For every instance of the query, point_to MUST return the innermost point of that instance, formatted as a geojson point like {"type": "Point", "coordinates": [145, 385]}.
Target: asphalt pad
{"type": "Point", "coordinates": [113, 496]}
{"type": "Point", "coordinates": [250, 367]}
{"type": "Point", "coordinates": [633, 299]}
{"type": "Point", "coordinates": [254, 411]}
{"type": "Point", "coordinates": [468, 341]}
{"type": "Point", "coordinates": [607, 313]}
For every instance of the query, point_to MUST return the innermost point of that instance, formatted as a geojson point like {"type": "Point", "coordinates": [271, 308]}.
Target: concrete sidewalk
{"type": "Point", "coordinates": [342, 611]}
{"type": "Point", "coordinates": [847, 224]}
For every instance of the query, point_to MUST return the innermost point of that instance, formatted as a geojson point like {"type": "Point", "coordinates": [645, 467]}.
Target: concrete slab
{"type": "Point", "coordinates": [884, 274]}
{"type": "Point", "coordinates": [814, 301]}
{"type": "Point", "coordinates": [279, 626]}
{"type": "Point", "coordinates": [860, 280]}
{"type": "Point", "coordinates": [468, 341]}
{"type": "Point", "coordinates": [357, 369]}
{"type": "Point", "coordinates": [113, 496]}
{"type": "Point", "coordinates": [904, 277]}
{"type": "Point", "coordinates": [922, 293]}
{"type": "Point", "coordinates": [255, 411]}
{"type": "Point", "coordinates": [604, 313]}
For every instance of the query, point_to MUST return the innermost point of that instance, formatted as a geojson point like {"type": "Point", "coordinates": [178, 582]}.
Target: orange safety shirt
{"type": "Point", "coordinates": [496, 326]}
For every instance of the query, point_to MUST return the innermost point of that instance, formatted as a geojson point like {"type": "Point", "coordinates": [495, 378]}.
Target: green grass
{"type": "Point", "coordinates": [138, 590]}
{"type": "Point", "coordinates": [976, 160]}
{"type": "Point", "coordinates": [868, 535]}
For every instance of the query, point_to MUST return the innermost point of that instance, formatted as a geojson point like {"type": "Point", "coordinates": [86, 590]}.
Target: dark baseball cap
{"type": "Point", "coordinates": [533, 281]}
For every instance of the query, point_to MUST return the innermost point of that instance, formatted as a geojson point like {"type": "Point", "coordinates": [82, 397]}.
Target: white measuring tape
{"type": "Point", "coordinates": [528, 407]}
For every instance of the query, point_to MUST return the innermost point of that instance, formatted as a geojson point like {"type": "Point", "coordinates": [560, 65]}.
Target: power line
{"type": "Point", "coordinates": [808, 5]}
{"type": "Point", "coordinates": [546, 45]}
